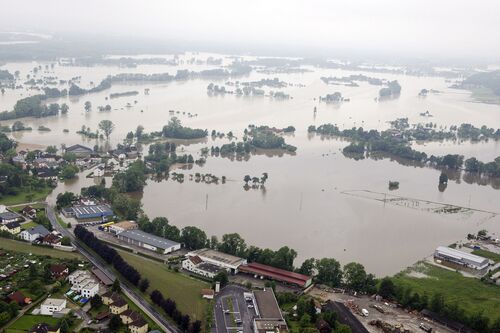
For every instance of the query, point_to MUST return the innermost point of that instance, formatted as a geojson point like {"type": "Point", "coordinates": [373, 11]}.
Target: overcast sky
{"type": "Point", "coordinates": [456, 28]}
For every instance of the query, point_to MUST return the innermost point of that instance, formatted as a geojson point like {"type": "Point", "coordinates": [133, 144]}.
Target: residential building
{"type": "Point", "coordinates": [51, 305]}
{"type": "Point", "coordinates": [118, 306]}
{"type": "Point", "coordinates": [46, 173]}
{"type": "Point", "coordinates": [19, 298]}
{"type": "Point", "coordinates": [148, 241]}
{"type": "Point", "coordinates": [79, 150]}
{"type": "Point", "coordinates": [58, 271]}
{"type": "Point", "coordinates": [128, 316]}
{"type": "Point", "coordinates": [52, 240]}
{"type": "Point", "coordinates": [34, 233]}
{"type": "Point", "coordinates": [196, 265]}
{"type": "Point", "coordinates": [12, 227]}
{"type": "Point", "coordinates": [29, 212]}
{"type": "Point", "coordinates": [8, 217]}
{"type": "Point", "coordinates": [226, 261]}
{"type": "Point", "coordinates": [83, 283]}
{"type": "Point", "coordinates": [461, 258]}
{"type": "Point", "coordinates": [138, 326]}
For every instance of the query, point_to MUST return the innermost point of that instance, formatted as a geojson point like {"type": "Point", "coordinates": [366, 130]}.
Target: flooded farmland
{"type": "Point", "coordinates": [305, 204]}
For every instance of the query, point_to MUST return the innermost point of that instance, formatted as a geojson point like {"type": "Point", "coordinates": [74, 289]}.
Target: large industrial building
{"type": "Point", "coordinates": [226, 261]}
{"type": "Point", "coordinates": [148, 241]}
{"type": "Point", "coordinates": [461, 258]}
{"type": "Point", "coordinates": [269, 317]}
{"type": "Point", "coordinates": [273, 273]}
{"type": "Point", "coordinates": [92, 211]}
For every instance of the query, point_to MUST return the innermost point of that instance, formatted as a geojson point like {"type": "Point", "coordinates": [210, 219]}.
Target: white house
{"type": "Point", "coordinates": [34, 233]}
{"type": "Point", "coordinates": [83, 283]}
{"type": "Point", "coordinates": [51, 305]}
{"type": "Point", "coordinates": [195, 265]}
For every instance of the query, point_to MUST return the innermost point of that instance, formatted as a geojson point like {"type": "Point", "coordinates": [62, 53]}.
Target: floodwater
{"type": "Point", "coordinates": [303, 204]}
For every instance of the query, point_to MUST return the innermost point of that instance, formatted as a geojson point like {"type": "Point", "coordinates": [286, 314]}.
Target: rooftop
{"type": "Point", "coordinates": [126, 225]}
{"type": "Point", "coordinates": [149, 239]}
{"type": "Point", "coordinates": [8, 215]}
{"type": "Point", "coordinates": [218, 256]}
{"type": "Point", "coordinates": [276, 273]}
{"type": "Point", "coordinates": [54, 302]}
{"type": "Point", "coordinates": [208, 267]}
{"type": "Point", "coordinates": [92, 210]}
{"type": "Point", "coordinates": [267, 304]}
{"type": "Point", "coordinates": [39, 229]}
{"type": "Point", "coordinates": [461, 255]}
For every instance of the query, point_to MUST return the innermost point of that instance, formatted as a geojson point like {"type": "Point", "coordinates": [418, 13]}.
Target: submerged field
{"type": "Point", "coordinates": [471, 294]}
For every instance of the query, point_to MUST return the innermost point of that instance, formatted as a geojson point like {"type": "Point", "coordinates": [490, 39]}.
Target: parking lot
{"type": "Point", "coordinates": [233, 313]}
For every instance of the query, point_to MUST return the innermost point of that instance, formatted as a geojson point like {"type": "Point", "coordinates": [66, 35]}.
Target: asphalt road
{"type": "Point", "coordinates": [99, 263]}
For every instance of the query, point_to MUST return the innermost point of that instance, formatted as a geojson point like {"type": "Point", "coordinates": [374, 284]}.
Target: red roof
{"type": "Point", "coordinates": [275, 273]}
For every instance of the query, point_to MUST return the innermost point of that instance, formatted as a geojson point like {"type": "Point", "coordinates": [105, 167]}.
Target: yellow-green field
{"type": "Point", "coordinates": [13, 245]}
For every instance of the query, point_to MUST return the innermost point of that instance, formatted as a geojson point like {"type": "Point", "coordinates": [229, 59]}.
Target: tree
{"type": "Point", "coordinates": [88, 106]}
{"type": "Point", "coordinates": [115, 323]}
{"type": "Point", "coordinates": [64, 108]}
{"type": "Point", "coordinates": [329, 272]}
{"type": "Point", "coordinates": [107, 127]}
{"type": "Point", "coordinates": [116, 286]}
{"type": "Point", "coordinates": [144, 285]}
{"type": "Point", "coordinates": [443, 178]}
{"type": "Point", "coordinates": [355, 276]}
{"type": "Point", "coordinates": [222, 278]}
{"type": "Point", "coordinates": [193, 237]}
{"type": "Point", "coordinates": [307, 266]}
{"type": "Point", "coordinates": [437, 303]}
{"type": "Point", "coordinates": [305, 320]}
{"type": "Point", "coordinates": [66, 241]}
{"type": "Point", "coordinates": [126, 207]}
{"type": "Point", "coordinates": [387, 289]}
{"type": "Point", "coordinates": [65, 199]}
{"type": "Point", "coordinates": [233, 244]}
{"type": "Point", "coordinates": [246, 179]}
{"type": "Point", "coordinates": [138, 132]}
{"type": "Point", "coordinates": [69, 171]}
{"type": "Point", "coordinates": [51, 149]}
{"type": "Point", "coordinates": [196, 327]}
{"type": "Point", "coordinates": [96, 301]}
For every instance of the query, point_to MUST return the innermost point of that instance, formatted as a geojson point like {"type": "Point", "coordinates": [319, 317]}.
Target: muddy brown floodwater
{"type": "Point", "coordinates": [303, 204]}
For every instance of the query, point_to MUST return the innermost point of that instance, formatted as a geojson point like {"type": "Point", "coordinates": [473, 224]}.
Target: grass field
{"type": "Point", "coordinates": [487, 254]}
{"type": "Point", "coordinates": [26, 322]}
{"type": "Point", "coordinates": [19, 208]}
{"type": "Point", "coordinates": [185, 291]}
{"type": "Point", "coordinates": [28, 225]}
{"type": "Point", "coordinates": [25, 197]}
{"type": "Point", "coordinates": [469, 293]}
{"type": "Point", "coordinates": [13, 245]}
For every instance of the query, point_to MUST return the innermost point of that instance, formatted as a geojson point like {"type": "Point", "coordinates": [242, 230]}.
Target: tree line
{"type": "Point", "coordinates": [170, 308]}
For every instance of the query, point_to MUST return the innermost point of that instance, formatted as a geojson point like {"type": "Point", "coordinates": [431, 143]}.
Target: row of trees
{"type": "Point", "coordinates": [109, 255]}
{"type": "Point", "coordinates": [170, 308]}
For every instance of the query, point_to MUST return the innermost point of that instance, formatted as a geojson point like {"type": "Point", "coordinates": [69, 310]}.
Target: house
{"type": "Point", "coordinates": [19, 298]}
{"type": "Point", "coordinates": [102, 315]}
{"type": "Point", "coordinates": [99, 171]}
{"type": "Point", "coordinates": [51, 305]}
{"type": "Point", "coordinates": [13, 228]}
{"type": "Point", "coordinates": [44, 328]}
{"type": "Point", "coordinates": [110, 297]}
{"type": "Point", "coordinates": [46, 173]}
{"type": "Point", "coordinates": [196, 265]}
{"type": "Point", "coordinates": [8, 217]}
{"type": "Point", "coordinates": [58, 271]}
{"type": "Point", "coordinates": [33, 233]}
{"type": "Point", "coordinates": [84, 283]}
{"type": "Point", "coordinates": [128, 316]}
{"type": "Point", "coordinates": [79, 150]}
{"type": "Point", "coordinates": [29, 212]}
{"type": "Point", "coordinates": [118, 306]}
{"type": "Point", "coordinates": [207, 293]}
{"type": "Point", "coordinates": [138, 326]}
{"type": "Point", "coordinates": [52, 240]}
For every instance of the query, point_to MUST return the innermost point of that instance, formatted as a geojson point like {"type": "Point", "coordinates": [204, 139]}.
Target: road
{"type": "Point", "coordinates": [99, 263]}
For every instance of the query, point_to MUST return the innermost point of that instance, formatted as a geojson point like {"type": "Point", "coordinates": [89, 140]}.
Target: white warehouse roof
{"type": "Point", "coordinates": [460, 255]}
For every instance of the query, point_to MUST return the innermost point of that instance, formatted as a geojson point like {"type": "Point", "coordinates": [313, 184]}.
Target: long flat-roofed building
{"type": "Point", "coordinates": [226, 261]}
{"type": "Point", "coordinates": [92, 211]}
{"type": "Point", "coordinates": [148, 241]}
{"type": "Point", "coordinates": [461, 258]}
{"type": "Point", "coordinates": [269, 317]}
{"type": "Point", "coordinates": [277, 274]}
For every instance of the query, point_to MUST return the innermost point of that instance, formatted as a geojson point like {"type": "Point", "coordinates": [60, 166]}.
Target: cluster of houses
{"type": "Point", "coordinates": [119, 306]}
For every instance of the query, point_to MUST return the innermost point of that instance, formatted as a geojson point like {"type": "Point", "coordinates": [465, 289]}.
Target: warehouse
{"type": "Point", "coordinates": [269, 317]}
{"type": "Point", "coordinates": [148, 241]}
{"type": "Point", "coordinates": [264, 271]}
{"type": "Point", "coordinates": [226, 261]}
{"type": "Point", "coordinates": [122, 226]}
{"type": "Point", "coordinates": [461, 258]}
{"type": "Point", "coordinates": [92, 211]}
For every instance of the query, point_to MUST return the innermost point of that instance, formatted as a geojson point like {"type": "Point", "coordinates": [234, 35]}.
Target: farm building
{"type": "Point", "coordinates": [461, 258]}
{"type": "Point", "coordinates": [148, 241]}
{"type": "Point", "coordinates": [226, 261]}
{"type": "Point", "coordinates": [277, 274]}
{"type": "Point", "coordinates": [92, 211]}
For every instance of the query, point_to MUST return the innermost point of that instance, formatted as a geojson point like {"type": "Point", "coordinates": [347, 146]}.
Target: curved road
{"type": "Point", "coordinates": [99, 263]}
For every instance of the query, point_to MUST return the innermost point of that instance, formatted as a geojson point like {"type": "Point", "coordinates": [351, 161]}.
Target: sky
{"type": "Point", "coordinates": [421, 28]}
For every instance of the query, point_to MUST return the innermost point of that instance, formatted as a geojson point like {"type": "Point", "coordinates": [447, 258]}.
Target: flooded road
{"type": "Point", "coordinates": [302, 205]}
